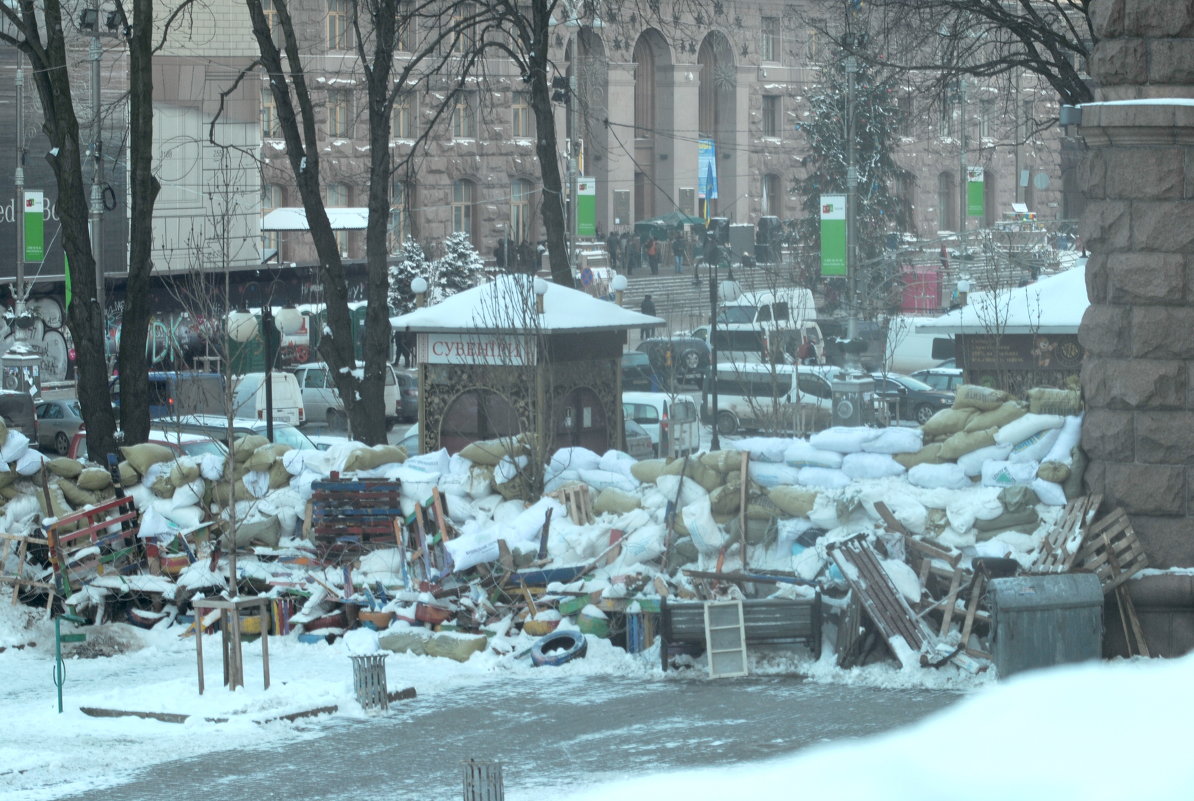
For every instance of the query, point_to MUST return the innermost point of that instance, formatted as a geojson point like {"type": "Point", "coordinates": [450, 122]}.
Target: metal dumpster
{"type": "Point", "coordinates": [1040, 621]}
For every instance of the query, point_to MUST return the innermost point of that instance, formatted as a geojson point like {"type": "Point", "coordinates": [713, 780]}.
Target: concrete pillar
{"type": "Point", "coordinates": [1138, 225]}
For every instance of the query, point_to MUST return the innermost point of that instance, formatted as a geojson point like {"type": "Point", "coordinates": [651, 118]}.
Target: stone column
{"type": "Point", "coordinates": [1139, 228]}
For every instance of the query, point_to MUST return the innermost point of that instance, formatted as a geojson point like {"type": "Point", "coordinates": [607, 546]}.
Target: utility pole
{"type": "Point", "coordinates": [965, 172]}
{"type": "Point", "coordinates": [97, 176]}
{"type": "Point", "coordinates": [19, 207]}
{"type": "Point", "coordinates": [851, 201]}
{"type": "Point", "coordinates": [573, 156]}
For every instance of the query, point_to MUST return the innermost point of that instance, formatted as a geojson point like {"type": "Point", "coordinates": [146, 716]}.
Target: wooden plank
{"type": "Point", "coordinates": [890, 520]}
{"type": "Point", "coordinates": [742, 480]}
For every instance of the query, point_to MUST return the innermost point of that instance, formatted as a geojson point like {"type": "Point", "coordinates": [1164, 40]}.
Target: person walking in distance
{"type": "Point", "coordinates": [652, 249]}
{"type": "Point", "coordinates": [648, 308]}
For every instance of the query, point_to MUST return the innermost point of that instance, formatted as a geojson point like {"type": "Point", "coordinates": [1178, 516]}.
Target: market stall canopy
{"type": "Point", "coordinates": [1052, 305]}
{"type": "Point", "coordinates": [672, 221]}
{"type": "Point", "coordinates": [294, 218]}
{"type": "Point", "coordinates": [507, 303]}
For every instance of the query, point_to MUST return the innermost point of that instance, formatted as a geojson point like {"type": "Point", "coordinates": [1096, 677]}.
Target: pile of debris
{"type": "Point", "coordinates": [888, 535]}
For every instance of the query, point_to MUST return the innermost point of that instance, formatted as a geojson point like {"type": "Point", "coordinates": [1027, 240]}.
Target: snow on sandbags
{"type": "Point", "coordinates": [643, 544]}
{"type": "Point", "coordinates": [605, 479]}
{"type": "Point", "coordinates": [842, 439]}
{"type": "Point", "coordinates": [939, 476]}
{"type": "Point", "coordinates": [896, 439]}
{"type": "Point", "coordinates": [769, 474]}
{"type": "Point", "coordinates": [561, 480]}
{"type": "Point", "coordinates": [972, 463]}
{"type": "Point", "coordinates": [707, 536]}
{"type": "Point", "coordinates": [574, 458]}
{"type": "Point", "coordinates": [297, 461]}
{"type": "Point", "coordinates": [822, 477]}
{"type": "Point", "coordinates": [801, 453]}
{"type": "Point", "coordinates": [1067, 439]}
{"type": "Point", "coordinates": [1025, 427]}
{"type": "Point", "coordinates": [1050, 493]}
{"type": "Point", "coordinates": [690, 491]}
{"type": "Point", "coordinates": [30, 462]}
{"type": "Point", "coordinates": [762, 449]}
{"type": "Point", "coordinates": [14, 447]}
{"type": "Point", "coordinates": [871, 465]}
{"type": "Point", "coordinates": [617, 462]}
{"type": "Point", "coordinates": [1009, 474]}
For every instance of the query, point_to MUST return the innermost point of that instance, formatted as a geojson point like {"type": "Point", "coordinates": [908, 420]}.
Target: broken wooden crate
{"type": "Point", "coordinates": [346, 518]}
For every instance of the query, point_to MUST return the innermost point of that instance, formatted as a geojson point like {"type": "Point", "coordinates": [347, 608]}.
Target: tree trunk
{"type": "Point", "coordinates": [555, 227]}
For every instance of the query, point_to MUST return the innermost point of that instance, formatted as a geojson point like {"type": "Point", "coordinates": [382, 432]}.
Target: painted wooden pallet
{"type": "Point", "coordinates": [1059, 548]}
{"type": "Point", "coordinates": [1111, 550]}
{"type": "Point", "coordinates": [348, 517]}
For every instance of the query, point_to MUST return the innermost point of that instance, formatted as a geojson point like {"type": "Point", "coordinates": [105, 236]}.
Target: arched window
{"type": "Point", "coordinates": [464, 197]}
{"type": "Point", "coordinates": [520, 210]}
{"type": "Point", "coordinates": [644, 90]}
{"type": "Point", "coordinates": [477, 414]}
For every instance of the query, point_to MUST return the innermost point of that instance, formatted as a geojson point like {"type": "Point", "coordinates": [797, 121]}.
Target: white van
{"type": "Point", "coordinates": [776, 398]}
{"type": "Point", "coordinates": [785, 304]}
{"type": "Point", "coordinates": [671, 421]}
{"type": "Point", "coordinates": [759, 343]}
{"type": "Point", "coordinates": [323, 403]}
{"type": "Point", "coordinates": [908, 351]}
{"type": "Point", "coordinates": [248, 397]}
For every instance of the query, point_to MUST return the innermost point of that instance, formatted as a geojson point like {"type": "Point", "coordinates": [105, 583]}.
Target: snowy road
{"type": "Point", "coordinates": [550, 738]}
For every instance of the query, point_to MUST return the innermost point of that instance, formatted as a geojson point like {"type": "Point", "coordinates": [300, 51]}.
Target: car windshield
{"type": "Point", "coordinates": [736, 314]}
{"type": "Point", "coordinates": [289, 435]}
{"type": "Point", "coordinates": [202, 447]}
{"type": "Point", "coordinates": [74, 408]}
{"type": "Point", "coordinates": [635, 359]}
{"type": "Point", "coordinates": [910, 382]}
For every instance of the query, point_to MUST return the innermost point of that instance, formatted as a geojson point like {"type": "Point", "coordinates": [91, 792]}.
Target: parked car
{"type": "Point", "coordinates": [772, 398]}
{"type": "Point", "coordinates": [637, 372]}
{"type": "Point", "coordinates": [216, 427]}
{"type": "Point", "coordinates": [16, 408]}
{"type": "Point", "coordinates": [249, 398]}
{"type": "Point", "coordinates": [58, 420]}
{"type": "Point", "coordinates": [407, 405]}
{"type": "Point", "coordinates": [945, 379]}
{"type": "Point", "coordinates": [322, 404]}
{"type": "Point", "coordinates": [683, 357]}
{"type": "Point", "coordinates": [183, 443]}
{"type": "Point", "coordinates": [175, 393]}
{"type": "Point", "coordinates": [908, 398]}
{"type": "Point", "coordinates": [638, 441]}
{"type": "Point", "coordinates": [671, 421]}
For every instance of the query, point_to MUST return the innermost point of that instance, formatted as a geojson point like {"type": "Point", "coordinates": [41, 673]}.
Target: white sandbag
{"type": "Point", "coordinates": [843, 439]}
{"type": "Point", "coordinates": [211, 466]}
{"type": "Point", "coordinates": [707, 536]}
{"type": "Point", "coordinates": [1023, 428]}
{"type": "Point", "coordinates": [30, 462]}
{"type": "Point", "coordinates": [823, 477]}
{"type": "Point", "coordinates": [617, 461]}
{"type": "Point", "coordinates": [189, 494]}
{"type": "Point", "coordinates": [1009, 474]}
{"type": "Point", "coordinates": [460, 509]}
{"type": "Point", "coordinates": [154, 526]}
{"type": "Point", "coordinates": [576, 458]}
{"type": "Point", "coordinates": [1050, 493]}
{"type": "Point", "coordinates": [529, 523]}
{"type": "Point", "coordinates": [768, 474]}
{"type": "Point", "coordinates": [184, 518]}
{"type": "Point", "coordinates": [972, 463]}
{"type": "Point", "coordinates": [824, 513]}
{"type": "Point", "coordinates": [903, 577]}
{"type": "Point", "coordinates": [257, 483]}
{"type": "Point", "coordinates": [561, 480]}
{"type": "Point", "coordinates": [605, 479]}
{"type": "Point", "coordinates": [762, 449]}
{"type": "Point", "coordinates": [454, 484]}
{"type": "Point", "coordinates": [1035, 447]}
{"type": "Point", "coordinates": [939, 476]}
{"type": "Point", "coordinates": [911, 513]}
{"type": "Point", "coordinates": [802, 454]}
{"type": "Point", "coordinates": [643, 544]}
{"type": "Point", "coordinates": [896, 439]}
{"type": "Point", "coordinates": [14, 447]}
{"type": "Point", "coordinates": [871, 465]}
{"type": "Point", "coordinates": [690, 491]}
{"type": "Point", "coordinates": [807, 563]}
{"type": "Point", "coordinates": [1067, 439]}
{"type": "Point", "coordinates": [508, 469]}
{"type": "Point", "coordinates": [470, 551]}
{"type": "Point", "coordinates": [480, 482]}
{"type": "Point", "coordinates": [434, 462]}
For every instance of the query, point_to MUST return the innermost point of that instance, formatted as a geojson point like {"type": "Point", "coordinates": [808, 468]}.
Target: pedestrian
{"type": "Point", "coordinates": [526, 257]}
{"type": "Point", "coordinates": [611, 246]}
{"type": "Point", "coordinates": [499, 255]}
{"type": "Point", "coordinates": [648, 308]}
{"type": "Point", "coordinates": [634, 256]}
{"type": "Point", "coordinates": [406, 348]}
{"type": "Point", "coordinates": [678, 252]}
{"type": "Point", "coordinates": [805, 353]}
{"type": "Point", "coordinates": [652, 249]}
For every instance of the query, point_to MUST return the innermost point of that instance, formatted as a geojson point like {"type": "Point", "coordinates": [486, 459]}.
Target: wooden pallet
{"type": "Point", "coordinates": [1059, 548]}
{"type": "Point", "coordinates": [346, 518]}
{"type": "Point", "coordinates": [575, 498]}
{"type": "Point", "coordinates": [1111, 551]}
{"type": "Point", "coordinates": [95, 541]}
{"type": "Point", "coordinates": [20, 578]}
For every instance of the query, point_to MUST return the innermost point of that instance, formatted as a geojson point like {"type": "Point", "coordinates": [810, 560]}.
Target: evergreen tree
{"type": "Point", "coordinates": [460, 268]}
{"type": "Point", "coordinates": [878, 211]}
{"type": "Point", "coordinates": [411, 263]}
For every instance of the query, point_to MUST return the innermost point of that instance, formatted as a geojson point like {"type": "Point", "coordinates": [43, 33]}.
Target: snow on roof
{"type": "Point", "coordinates": [1052, 305]}
{"type": "Point", "coordinates": [294, 218]}
{"type": "Point", "coordinates": [507, 302]}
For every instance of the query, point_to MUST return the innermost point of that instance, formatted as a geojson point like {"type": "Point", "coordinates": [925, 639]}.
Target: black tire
{"type": "Point", "coordinates": [923, 413]}
{"type": "Point", "coordinates": [691, 361]}
{"type": "Point", "coordinates": [337, 421]}
{"type": "Point", "coordinates": [62, 443]}
{"type": "Point", "coordinates": [726, 423]}
{"type": "Point", "coordinates": [558, 647]}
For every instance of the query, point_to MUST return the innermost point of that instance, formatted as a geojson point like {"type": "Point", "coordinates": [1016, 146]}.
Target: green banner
{"type": "Point", "coordinates": [66, 279]}
{"type": "Point", "coordinates": [586, 207]}
{"type": "Point", "coordinates": [35, 237]}
{"type": "Point", "coordinates": [833, 234]}
{"type": "Point", "coordinates": [975, 197]}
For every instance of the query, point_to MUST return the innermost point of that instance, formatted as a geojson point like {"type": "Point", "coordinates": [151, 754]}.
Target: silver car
{"type": "Point", "coordinates": [58, 420]}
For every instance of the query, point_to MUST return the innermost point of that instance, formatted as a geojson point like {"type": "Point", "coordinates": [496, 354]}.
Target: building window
{"type": "Point", "coordinates": [462, 33]}
{"type": "Point", "coordinates": [644, 90]}
{"type": "Point", "coordinates": [406, 34]}
{"type": "Point", "coordinates": [339, 116]}
{"type": "Point", "coordinates": [772, 200]}
{"type": "Point", "coordinates": [269, 115]}
{"type": "Point", "coordinates": [339, 25]}
{"type": "Point", "coordinates": [947, 206]}
{"type": "Point", "coordinates": [464, 194]}
{"type": "Point", "coordinates": [907, 106]}
{"type": "Point", "coordinates": [520, 210]}
{"type": "Point", "coordinates": [771, 115]}
{"type": "Point", "coordinates": [271, 17]}
{"type": "Point", "coordinates": [945, 125]}
{"type": "Point", "coordinates": [815, 41]}
{"type": "Point", "coordinates": [464, 116]}
{"type": "Point", "coordinates": [401, 213]}
{"type": "Point", "coordinates": [769, 45]}
{"type": "Point", "coordinates": [985, 113]}
{"type": "Point", "coordinates": [402, 125]}
{"type": "Point", "coordinates": [521, 110]}
{"type": "Point", "coordinates": [272, 197]}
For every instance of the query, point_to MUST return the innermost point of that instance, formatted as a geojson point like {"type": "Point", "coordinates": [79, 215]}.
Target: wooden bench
{"type": "Point", "coordinates": [767, 621]}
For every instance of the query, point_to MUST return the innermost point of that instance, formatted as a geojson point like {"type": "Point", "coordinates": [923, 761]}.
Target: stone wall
{"type": "Point", "coordinates": [1139, 226]}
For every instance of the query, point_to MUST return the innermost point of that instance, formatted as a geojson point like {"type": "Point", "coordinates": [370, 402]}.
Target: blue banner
{"type": "Point", "coordinates": [707, 169]}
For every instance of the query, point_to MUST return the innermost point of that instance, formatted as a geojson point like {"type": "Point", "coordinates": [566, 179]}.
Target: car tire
{"type": "Point", "coordinates": [726, 424]}
{"type": "Point", "coordinates": [691, 360]}
{"type": "Point", "coordinates": [923, 413]}
{"type": "Point", "coordinates": [62, 443]}
{"type": "Point", "coordinates": [337, 421]}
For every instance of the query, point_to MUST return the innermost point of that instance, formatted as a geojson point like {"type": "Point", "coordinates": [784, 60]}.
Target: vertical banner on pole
{"type": "Point", "coordinates": [707, 174]}
{"type": "Point", "coordinates": [66, 281]}
{"type": "Point", "coordinates": [975, 206]}
{"type": "Point", "coordinates": [586, 207]}
{"type": "Point", "coordinates": [833, 235]}
{"type": "Point", "coordinates": [35, 242]}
